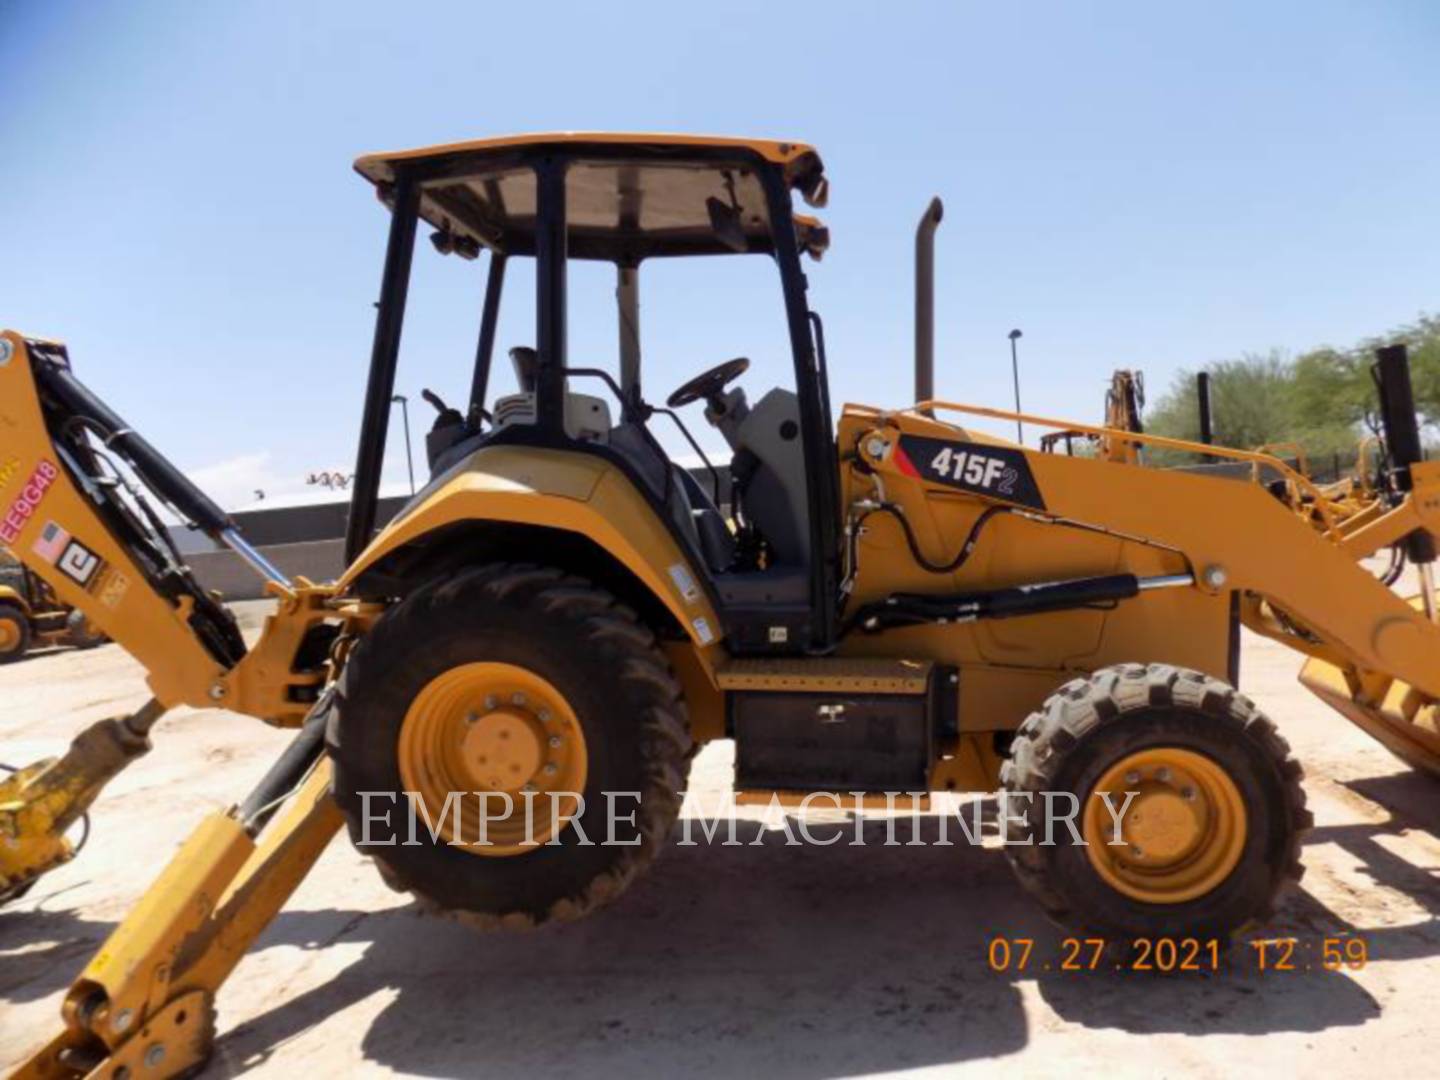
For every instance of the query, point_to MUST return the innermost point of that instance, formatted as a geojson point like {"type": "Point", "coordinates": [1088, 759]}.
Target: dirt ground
{"type": "Point", "coordinates": [756, 960]}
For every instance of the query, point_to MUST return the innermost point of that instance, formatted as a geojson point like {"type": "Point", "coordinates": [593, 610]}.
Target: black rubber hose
{"type": "Point", "coordinates": [919, 556]}
{"type": "Point", "coordinates": [288, 771]}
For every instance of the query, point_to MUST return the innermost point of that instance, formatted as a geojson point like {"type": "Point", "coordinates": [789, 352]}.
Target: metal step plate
{"type": "Point", "coordinates": [827, 674]}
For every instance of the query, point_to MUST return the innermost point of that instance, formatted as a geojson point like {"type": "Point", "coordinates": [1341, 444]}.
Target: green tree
{"type": "Point", "coordinates": [1332, 400]}
{"type": "Point", "coordinates": [1324, 399]}
{"type": "Point", "coordinates": [1251, 403]}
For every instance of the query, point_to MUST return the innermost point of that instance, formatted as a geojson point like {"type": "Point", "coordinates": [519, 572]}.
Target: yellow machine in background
{"type": "Point", "coordinates": [30, 615]}
{"type": "Point", "coordinates": [1124, 406]}
{"type": "Point", "coordinates": [893, 602]}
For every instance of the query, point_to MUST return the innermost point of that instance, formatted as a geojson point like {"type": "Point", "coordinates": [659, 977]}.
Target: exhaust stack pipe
{"type": "Point", "coordinates": [925, 300]}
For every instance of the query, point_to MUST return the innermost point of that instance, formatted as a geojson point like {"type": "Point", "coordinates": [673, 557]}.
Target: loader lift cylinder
{"type": "Point", "coordinates": [1402, 439]}
{"type": "Point", "coordinates": [1202, 395]}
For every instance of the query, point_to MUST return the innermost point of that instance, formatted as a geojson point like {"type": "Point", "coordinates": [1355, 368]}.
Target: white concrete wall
{"type": "Point", "coordinates": [223, 571]}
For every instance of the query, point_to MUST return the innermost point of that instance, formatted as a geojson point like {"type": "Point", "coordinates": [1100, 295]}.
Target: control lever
{"type": "Point", "coordinates": [447, 417]}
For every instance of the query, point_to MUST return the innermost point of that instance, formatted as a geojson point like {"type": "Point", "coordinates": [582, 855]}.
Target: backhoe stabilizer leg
{"type": "Point", "coordinates": [146, 1000]}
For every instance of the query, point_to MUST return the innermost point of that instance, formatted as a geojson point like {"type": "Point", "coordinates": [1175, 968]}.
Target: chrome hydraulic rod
{"type": "Point", "coordinates": [1166, 581]}
{"type": "Point", "coordinates": [232, 539]}
{"type": "Point", "coordinates": [1427, 589]}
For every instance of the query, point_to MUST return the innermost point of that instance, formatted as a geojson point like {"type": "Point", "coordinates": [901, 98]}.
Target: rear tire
{"type": "Point", "coordinates": [1137, 712]}
{"type": "Point", "coordinates": [615, 683]}
{"type": "Point", "coordinates": [14, 633]}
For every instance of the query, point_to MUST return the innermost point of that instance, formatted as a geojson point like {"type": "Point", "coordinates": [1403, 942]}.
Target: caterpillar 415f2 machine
{"type": "Point", "coordinates": [895, 603]}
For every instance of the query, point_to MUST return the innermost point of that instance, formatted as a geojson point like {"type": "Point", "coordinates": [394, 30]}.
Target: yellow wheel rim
{"type": "Point", "coordinates": [9, 635]}
{"type": "Point", "coordinates": [1180, 836]}
{"type": "Point", "coordinates": [481, 733]}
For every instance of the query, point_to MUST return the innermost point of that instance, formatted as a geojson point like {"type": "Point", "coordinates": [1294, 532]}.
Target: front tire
{"type": "Point", "coordinates": [511, 678]}
{"type": "Point", "coordinates": [14, 633]}
{"type": "Point", "coordinates": [1209, 841]}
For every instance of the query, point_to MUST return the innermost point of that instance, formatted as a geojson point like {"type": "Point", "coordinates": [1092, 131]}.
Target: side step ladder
{"type": "Point", "coordinates": [870, 725]}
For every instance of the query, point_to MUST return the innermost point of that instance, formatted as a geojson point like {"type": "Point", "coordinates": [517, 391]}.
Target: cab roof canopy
{"type": "Point", "coordinates": [628, 197]}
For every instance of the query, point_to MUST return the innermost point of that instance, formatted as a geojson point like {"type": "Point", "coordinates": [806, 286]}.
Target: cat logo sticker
{"type": "Point", "coordinates": [78, 563]}
{"type": "Point", "coordinates": [1000, 472]}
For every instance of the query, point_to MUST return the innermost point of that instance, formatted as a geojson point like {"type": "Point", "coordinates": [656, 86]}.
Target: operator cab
{"type": "Point", "coordinates": [762, 527]}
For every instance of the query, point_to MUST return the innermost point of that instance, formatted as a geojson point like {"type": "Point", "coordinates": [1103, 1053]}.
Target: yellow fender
{"type": "Point", "coordinates": [10, 596]}
{"type": "Point", "coordinates": [571, 492]}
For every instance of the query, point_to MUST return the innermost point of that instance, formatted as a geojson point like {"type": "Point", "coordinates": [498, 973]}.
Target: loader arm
{"type": "Point", "coordinates": [1374, 655]}
{"type": "Point", "coordinates": [1234, 536]}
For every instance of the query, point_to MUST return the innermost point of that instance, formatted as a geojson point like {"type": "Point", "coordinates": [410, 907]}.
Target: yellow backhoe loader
{"type": "Point", "coordinates": [895, 602]}
{"type": "Point", "coordinates": [31, 616]}
{"type": "Point", "coordinates": [1124, 403]}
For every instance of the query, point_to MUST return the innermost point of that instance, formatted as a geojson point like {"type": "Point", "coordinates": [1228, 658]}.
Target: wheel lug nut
{"type": "Point", "coordinates": [550, 769]}
{"type": "Point", "coordinates": [490, 702]}
{"type": "Point", "coordinates": [544, 715]}
{"type": "Point", "coordinates": [1162, 774]}
{"type": "Point", "coordinates": [517, 699]}
{"type": "Point", "coordinates": [470, 718]}
{"type": "Point", "coordinates": [1132, 777]}
{"type": "Point", "coordinates": [1188, 794]}
{"type": "Point", "coordinates": [554, 740]}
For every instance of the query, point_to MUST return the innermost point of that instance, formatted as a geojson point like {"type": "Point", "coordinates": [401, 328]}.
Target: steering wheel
{"type": "Point", "coordinates": [709, 384]}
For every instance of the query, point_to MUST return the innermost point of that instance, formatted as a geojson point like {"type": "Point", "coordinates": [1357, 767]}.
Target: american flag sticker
{"type": "Point", "coordinates": [51, 543]}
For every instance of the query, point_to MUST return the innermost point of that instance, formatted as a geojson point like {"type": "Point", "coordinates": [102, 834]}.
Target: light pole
{"type": "Point", "coordinates": [405, 415]}
{"type": "Point", "coordinates": [1016, 335]}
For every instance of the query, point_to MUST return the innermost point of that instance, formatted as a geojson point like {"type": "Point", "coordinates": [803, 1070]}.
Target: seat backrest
{"type": "Point", "coordinates": [587, 418]}
{"type": "Point", "coordinates": [631, 442]}
{"type": "Point", "coordinates": [777, 497]}
{"type": "Point", "coordinates": [685, 500]}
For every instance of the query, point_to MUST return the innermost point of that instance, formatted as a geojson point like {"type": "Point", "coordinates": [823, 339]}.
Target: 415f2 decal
{"type": "Point", "coordinates": [997, 471]}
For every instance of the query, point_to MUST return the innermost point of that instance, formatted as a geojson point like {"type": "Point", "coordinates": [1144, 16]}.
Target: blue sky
{"type": "Point", "coordinates": [1134, 184]}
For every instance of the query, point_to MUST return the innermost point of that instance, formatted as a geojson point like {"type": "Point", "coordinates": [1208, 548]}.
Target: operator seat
{"type": "Point", "coordinates": [687, 503]}
{"type": "Point", "coordinates": [587, 418]}
{"type": "Point", "coordinates": [768, 468]}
